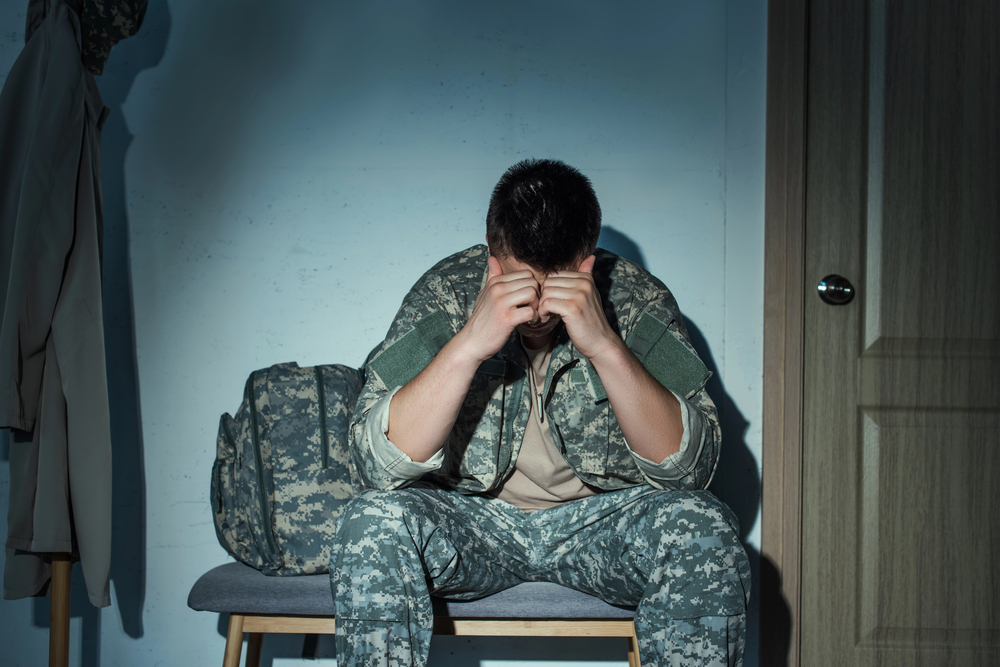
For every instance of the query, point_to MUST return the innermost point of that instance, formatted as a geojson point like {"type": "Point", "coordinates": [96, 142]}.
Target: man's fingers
{"type": "Point", "coordinates": [526, 295]}
{"type": "Point", "coordinates": [523, 315]}
{"type": "Point", "coordinates": [553, 304]}
{"type": "Point", "coordinates": [554, 300]}
{"type": "Point", "coordinates": [560, 292]}
{"type": "Point", "coordinates": [566, 297]}
{"type": "Point", "coordinates": [505, 286]}
{"type": "Point", "coordinates": [511, 277]}
{"type": "Point", "coordinates": [585, 272]}
{"type": "Point", "coordinates": [567, 281]}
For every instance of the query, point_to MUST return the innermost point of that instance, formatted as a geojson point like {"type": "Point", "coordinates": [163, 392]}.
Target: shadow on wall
{"type": "Point", "coordinates": [128, 562]}
{"type": "Point", "coordinates": [128, 559]}
{"type": "Point", "coordinates": [776, 634]}
{"type": "Point", "coordinates": [226, 65]}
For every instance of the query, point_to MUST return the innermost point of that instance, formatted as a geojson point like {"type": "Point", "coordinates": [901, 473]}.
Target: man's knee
{"type": "Point", "coordinates": [375, 556]}
{"type": "Point", "coordinates": [377, 516]}
{"type": "Point", "coordinates": [690, 515]}
{"type": "Point", "coordinates": [698, 565]}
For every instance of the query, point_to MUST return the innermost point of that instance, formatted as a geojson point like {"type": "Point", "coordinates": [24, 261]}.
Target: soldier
{"type": "Point", "coordinates": [537, 413]}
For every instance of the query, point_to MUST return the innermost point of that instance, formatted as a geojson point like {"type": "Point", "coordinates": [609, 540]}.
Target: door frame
{"type": "Point", "coordinates": [784, 310]}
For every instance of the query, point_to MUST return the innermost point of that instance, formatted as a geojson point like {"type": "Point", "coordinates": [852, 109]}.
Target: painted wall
{"type": "Point", "coordinates": [276, 178]}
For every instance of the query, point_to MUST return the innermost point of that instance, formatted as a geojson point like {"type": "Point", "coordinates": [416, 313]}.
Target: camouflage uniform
{"type": "Point", "coordinates": [652, 540]}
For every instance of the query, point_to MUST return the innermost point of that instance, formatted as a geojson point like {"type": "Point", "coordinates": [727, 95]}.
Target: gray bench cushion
{"type": "Point", "coordinates": [238, 588]}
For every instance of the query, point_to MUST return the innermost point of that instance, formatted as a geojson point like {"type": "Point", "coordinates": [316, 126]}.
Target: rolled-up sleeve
{"type": "Point", "coordinates": [390, 458]}
{"type": "Point", "coordinates": [680, 464]}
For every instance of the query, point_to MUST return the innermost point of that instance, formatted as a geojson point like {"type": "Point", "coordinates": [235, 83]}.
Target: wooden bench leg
{"type": "Point", "coordinates": [633, 651]}
{"type": "Point", "coordinates": [254, 644]}
{"type": "Point", "coordinates": [234, 641]}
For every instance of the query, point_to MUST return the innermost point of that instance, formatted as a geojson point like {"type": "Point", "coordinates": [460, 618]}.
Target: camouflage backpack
{"type": "Point", "coordinates": [281, 473]}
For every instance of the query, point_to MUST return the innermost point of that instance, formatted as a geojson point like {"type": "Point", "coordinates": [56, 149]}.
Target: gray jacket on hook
{"type": "Point", "coordinates": [53, 382]}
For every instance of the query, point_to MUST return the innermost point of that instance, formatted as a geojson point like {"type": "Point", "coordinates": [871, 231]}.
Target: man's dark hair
{"type": "Point", "coordinates": [543, 213]}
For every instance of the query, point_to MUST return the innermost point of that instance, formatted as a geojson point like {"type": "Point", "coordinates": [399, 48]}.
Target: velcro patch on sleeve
{"type": "Point", "coordinates": [434, 332]}
{"type": "Point", "coordinates": [403, 360]}
{"type": "Point", "coordinates": [666, 358]}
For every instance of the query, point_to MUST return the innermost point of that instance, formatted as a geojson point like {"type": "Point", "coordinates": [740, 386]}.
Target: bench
{"type": "Point", "coordinates": [259, 604]}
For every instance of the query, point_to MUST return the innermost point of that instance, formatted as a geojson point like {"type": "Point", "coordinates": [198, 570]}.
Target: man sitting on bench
{"type": "Point", "coordinates": [537, 413]}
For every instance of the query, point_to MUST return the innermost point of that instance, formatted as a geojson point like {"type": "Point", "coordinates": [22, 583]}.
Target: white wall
{"type": "Point", "coordinates": [277, 175]}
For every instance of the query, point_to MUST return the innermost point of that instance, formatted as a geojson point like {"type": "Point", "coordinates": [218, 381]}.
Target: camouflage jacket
{"type": "Point", "coordinates": [481, 450]}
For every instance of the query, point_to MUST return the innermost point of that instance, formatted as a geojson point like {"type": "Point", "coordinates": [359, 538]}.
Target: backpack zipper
{"type": "Point", "coordinates": [265, 509]}
{"type": "Point", "coordinates": [324, 438]}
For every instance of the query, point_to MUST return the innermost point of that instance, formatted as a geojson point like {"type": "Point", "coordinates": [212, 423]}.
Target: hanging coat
{"type": "Point", "coordinates": [53, 382]}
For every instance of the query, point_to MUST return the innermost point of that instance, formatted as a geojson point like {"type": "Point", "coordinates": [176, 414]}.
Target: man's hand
{"type": "Point", "coordinates": [507, 300]}
{"type": "Point", "coordinates": [574, 297]}
{"type": "Point", "coordinates": [647, 413]}
{"type": "Point", "coordinates": [424, 411]}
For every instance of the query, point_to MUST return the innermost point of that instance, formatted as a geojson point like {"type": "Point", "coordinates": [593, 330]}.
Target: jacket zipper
{"type": "Point", "coordinates": [324, 438]}
{"type": "Point", "coordinates": [265, 509]}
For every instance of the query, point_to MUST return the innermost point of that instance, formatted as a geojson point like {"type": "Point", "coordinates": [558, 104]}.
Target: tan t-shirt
{"type": "Point", "coordinates": [541, 477]}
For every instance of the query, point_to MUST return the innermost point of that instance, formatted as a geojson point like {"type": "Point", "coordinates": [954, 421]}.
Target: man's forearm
{"type": "Point", "coordinates": [647, 412]}
{"type": "Point", "coordinates": [423, 412]}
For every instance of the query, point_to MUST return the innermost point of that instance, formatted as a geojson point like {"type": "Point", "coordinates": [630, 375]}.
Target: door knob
{"type": "Point", "coordinates": [835, 290]}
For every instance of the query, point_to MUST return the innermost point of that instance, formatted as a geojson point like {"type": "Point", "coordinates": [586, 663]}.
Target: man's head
{"type": "Point", "coordinates": [545, 214]}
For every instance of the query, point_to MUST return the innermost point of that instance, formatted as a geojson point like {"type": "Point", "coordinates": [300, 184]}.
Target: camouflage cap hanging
{"type": "Point", "coordinates": [104, 24]}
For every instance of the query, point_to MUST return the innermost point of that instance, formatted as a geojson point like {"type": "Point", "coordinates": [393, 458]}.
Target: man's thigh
{"type": "Point", "coordinates": [463, 546]}
{"type": "Point", "coordinates": [678, 551]}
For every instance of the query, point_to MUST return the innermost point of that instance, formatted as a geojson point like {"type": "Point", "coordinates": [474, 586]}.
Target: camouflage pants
{"type": "Point", "coordinates": [675, 554]}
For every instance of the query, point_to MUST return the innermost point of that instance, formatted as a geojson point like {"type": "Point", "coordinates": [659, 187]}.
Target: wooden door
{"type": "Point", "coordinates": [900, 551]}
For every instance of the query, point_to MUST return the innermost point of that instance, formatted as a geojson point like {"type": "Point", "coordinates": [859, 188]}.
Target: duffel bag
{"type": "Point", "coordinates": [281, 474]}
